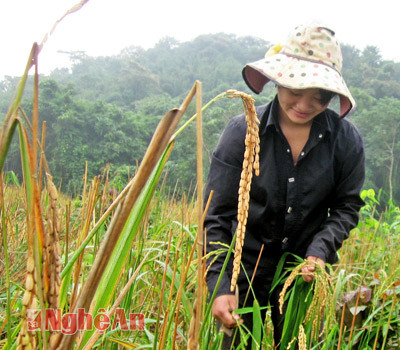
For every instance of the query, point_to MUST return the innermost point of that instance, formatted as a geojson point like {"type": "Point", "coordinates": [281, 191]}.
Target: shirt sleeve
{"type": "Point", "coordinates": [220, 221]}
{"type": "Point", "coordinates": [346, 201]}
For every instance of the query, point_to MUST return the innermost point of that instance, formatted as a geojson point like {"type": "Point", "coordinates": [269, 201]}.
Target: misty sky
{"type": "Point", "coordinates": [105, 27]}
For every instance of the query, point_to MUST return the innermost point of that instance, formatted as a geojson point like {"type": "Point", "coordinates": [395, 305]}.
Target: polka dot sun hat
{"type": "Point", "coordinates": [311, 58]}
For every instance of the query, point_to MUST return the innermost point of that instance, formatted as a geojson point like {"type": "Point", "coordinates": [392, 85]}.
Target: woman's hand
{"type": "Point", "coordinates": [222, 309]}
{"type": "Point", "coordinates": [308, 271]}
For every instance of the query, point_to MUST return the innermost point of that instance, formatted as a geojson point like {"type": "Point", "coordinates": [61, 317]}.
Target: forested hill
{"type": "Point", "coordinates": [105, 109]}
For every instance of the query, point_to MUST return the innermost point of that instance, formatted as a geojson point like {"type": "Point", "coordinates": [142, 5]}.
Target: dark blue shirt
{"type": "Point", "coordinates": [307, 209]}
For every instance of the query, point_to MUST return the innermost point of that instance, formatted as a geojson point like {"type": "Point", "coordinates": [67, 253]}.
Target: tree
{"type": "Point", "coordinates": [104, 110]}
{"type": "Point", "coordinates": [380, 127]}
{"type": "Point", "coordinates": [372, 56]}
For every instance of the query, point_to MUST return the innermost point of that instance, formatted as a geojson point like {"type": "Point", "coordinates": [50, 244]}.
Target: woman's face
{"type": "Point", "coordinates": [299, 106]}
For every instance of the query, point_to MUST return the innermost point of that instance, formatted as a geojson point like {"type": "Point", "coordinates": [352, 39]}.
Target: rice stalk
{"type": "Point", "coordinates": [321, 301]}
{"type": "Point", "coordinates": [52, 254]}
{"type": "Point", "coordinates": [177, 300]}
{"type": "Point", "coordinates": [101, 266]}
{"type": "Point", "coordinates": [11, 120]}
{"type": "Point", "coordinates": [52, 246]}
{"type": "Point", "coordinates": [291, 343]}
{"type": "Point", "coordinates": [7, 321]}
{"type": "Point", "coordinates": [73, 9]}
{"type": "Point", "coordinates": [42, 157]}
{"type": "Point", "coordinates": [67, 233]}
{"type": "Point", "coordinates": [117, 302]}
{"type": "Point", "coordinates": [156, 155]}
{"type": "Point", "coordinates": [33, 283]}
{"type": "Point", "coordinates": [250, 289]}
{"type": "Point", "coordinates": [341, 326]}
{"type": "Point", "coordinates": [104, 194]}
{"type": "Point", "coordinates": [45, 246]}
{"type": "Point", "coordinates": [36, 282]}
{"type": "Point", "coordinates": [302, 339]}
{"type": "Point", "coordinates": [307, 314]}
{"type": "Point", "coordinates": [389, 319]}
{"type": "Point", "coordinates": [295, 272]}
{"type": "Point", "coordinates": [250, 163]}
{"type": "Point", "coordinates": [161, 344]}
{"type": "Point", "coordinates": [88, 204]}
{"type": "Point", "coordinates": [179, 297]}
{"type": "Point", "coordinates": [94, 230]}
{"type": "Point", "coordinates": [184, 274]}
{"type": "Point", "coordinates": [354, 316]}
{"type": "Point", "coordinates": [207, 313]}
{"type": "Point", "coordinates": [42, 269]}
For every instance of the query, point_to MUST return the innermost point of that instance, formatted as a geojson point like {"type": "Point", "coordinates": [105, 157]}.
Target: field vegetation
{"type": "Point", "coordinates": [101, 206]}
{"type": "Point", "coordinates": [162, 261]}
{"type": "Point", "coordinates": [53, 242]}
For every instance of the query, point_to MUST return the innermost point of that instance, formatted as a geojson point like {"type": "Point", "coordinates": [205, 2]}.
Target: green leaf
{"type": "Point", "coordinates": [124, 343]}
{"type": "Point", "coordinates": [257, 326]}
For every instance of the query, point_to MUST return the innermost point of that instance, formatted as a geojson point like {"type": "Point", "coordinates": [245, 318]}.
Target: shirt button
{"type": "Point", "coordinates": [291, 179]}
{"type": "Point", "coordinates": [289, 210]}
{"type": "Point", "coordinates": [320, 136]}
{"type": "Point", "coordinates": [288, 150]}
{"type": "Point", "coordinates": [302, 153]}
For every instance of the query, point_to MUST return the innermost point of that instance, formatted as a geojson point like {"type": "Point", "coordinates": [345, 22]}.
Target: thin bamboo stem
{"type": "Point", "coordinates": [193, 342]}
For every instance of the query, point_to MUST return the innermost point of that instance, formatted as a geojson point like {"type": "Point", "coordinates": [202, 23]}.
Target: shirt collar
{"type": "Point", "coordinates": [269, 116]}
{"type": "Point", "coordinates": [320, 122]}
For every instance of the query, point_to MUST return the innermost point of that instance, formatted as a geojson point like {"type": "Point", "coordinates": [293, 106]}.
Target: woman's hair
{"type": "Point", "coordinates": [326, 96]}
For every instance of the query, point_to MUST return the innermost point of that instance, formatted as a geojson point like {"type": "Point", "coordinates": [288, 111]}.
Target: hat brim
{"type": "Point", "coordinates": [297, 73]}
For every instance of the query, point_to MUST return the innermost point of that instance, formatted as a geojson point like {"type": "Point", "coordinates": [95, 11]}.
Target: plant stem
{"type": "Point", "coordinates": [388, 322]}
{"type": "Point", "coordinates": [6, 262]}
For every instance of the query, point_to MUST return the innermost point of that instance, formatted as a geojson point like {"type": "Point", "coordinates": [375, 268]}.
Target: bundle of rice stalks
{"type": "Point", "coordinates": [308, 306]}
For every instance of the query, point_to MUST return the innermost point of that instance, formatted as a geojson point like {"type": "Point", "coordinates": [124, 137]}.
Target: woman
{"type": "Point", "coordinates": [306, 199]}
